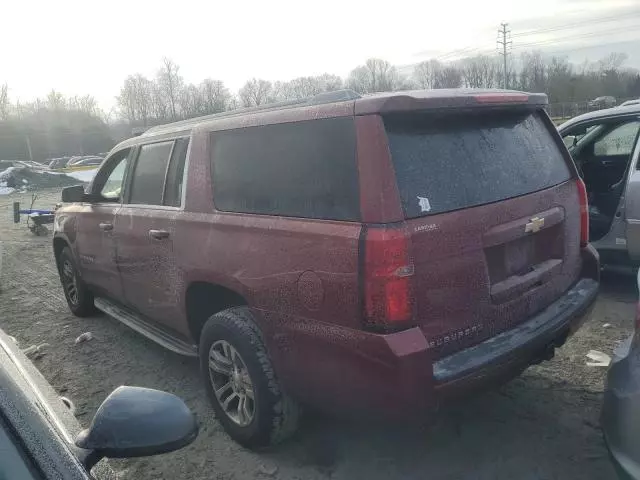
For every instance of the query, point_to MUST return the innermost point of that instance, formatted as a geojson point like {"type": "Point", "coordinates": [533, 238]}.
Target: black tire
{"type": "Point", "coordinates": [275, 414]}
{"type": "Point", "coordinates": [81, 302]}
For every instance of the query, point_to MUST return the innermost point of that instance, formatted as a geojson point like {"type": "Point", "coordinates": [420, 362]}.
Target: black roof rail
{"type": "Point", "coordinates": [319, 99]}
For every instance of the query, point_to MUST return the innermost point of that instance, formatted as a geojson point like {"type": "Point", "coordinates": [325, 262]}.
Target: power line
{"type": "Point", "coordinates": [577, 24]}
{"type": "Point", "coordinates": [586, 47]}
{"type": "Point", "coordinates": [480, 50]}
{"type": "Point", "coordinates": [553, 41]}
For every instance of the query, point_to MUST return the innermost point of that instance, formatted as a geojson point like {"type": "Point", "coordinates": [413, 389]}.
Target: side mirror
{"type": "Point", "coordinates": [137, 422]}
{"type": "Point", "coordinates": [73, 194]}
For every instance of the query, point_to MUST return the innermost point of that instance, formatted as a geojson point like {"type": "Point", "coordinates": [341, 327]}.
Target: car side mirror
{"type": "Point", "coordinates": [137, 422]}
{"type": "Point", "coordinates": [73, 194]}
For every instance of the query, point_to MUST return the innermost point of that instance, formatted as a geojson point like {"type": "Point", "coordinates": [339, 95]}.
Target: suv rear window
{"type": "Point", "coordinates": [446, 162]}
{"type": "Point", "coordinates": [302, 169]}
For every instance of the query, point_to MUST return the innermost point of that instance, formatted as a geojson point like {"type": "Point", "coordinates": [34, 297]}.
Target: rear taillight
{"type": "Point", "coordinates": [387, 278]}
{"type": "Point", "coordinates": [584, 214]}
{"type": "Point", "coordinates": [638, 317]}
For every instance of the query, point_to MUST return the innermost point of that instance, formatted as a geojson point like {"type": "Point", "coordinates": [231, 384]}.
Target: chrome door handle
{"type": "Point", "coordinates": [158, 234]}
{"type": "Point", "coordinates": [106, 227]}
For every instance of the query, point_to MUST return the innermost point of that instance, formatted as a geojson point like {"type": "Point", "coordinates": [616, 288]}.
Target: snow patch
{"type": "Point", "coordinates": [6, 173]}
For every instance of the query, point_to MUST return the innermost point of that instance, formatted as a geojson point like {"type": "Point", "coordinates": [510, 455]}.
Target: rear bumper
{"type": "Point", "coordinates": [522, 345]}
{"type": "Point", "coordinates": [621, 410]}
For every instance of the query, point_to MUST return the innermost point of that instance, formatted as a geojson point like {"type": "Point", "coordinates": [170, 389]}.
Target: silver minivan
{"type": "Point", "coordinates": [605, 148]}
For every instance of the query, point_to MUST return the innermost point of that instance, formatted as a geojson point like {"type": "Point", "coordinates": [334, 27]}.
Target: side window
{"type": "Point", "coordinates": [303, 169]}
{"type": "Point", "coordinates": [175, 174]}
{"type": "Point", "coordinates": [147, 180]}
{"type": "Point", "coordinates": [619, 141]}
{"type": "Point", "coordinates": [109, 180]}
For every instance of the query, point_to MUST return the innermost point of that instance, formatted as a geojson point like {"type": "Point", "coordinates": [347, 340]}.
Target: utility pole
{"type": "Point", "coordinates": [503, 35]}
{"type": "Point", "coordinates": [26, 137]}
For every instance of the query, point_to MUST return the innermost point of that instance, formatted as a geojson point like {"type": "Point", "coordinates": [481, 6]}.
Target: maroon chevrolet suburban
{"type": "Point", "coordinates": [378, 254]}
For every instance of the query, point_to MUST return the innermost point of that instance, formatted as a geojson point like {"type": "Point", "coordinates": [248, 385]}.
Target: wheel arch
{"type": "Point", "coordinates": [58, 245]}
{"type": "Point", "coordinates": [203, 299]}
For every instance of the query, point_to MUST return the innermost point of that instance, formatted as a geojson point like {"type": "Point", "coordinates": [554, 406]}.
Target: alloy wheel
{"type": "Point", "coordinates": [69, 281]}
{"type": "Point", "coordinates": [231, 383]}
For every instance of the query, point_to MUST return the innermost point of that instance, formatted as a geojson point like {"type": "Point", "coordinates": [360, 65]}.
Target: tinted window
{"type": "Point", "coordinates": [447, 162]}
{"type": "Point", "coordinates": [303, 169]}
{"type": "Point", "coordinates": [148, 176]}
{"type": "Point", "coordinates": [175, 174]}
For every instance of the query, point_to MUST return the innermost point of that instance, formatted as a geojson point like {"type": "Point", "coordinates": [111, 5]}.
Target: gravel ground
{"type": "Point", "coordinates": [542, 425]}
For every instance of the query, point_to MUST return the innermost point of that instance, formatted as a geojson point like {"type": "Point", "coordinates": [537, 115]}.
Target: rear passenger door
{"type": "Point", "coordinates": [145, 227]}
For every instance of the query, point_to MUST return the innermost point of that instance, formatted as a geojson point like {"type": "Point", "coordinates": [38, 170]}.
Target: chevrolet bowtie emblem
{"type": "Point", "coordinates": [534, 225]}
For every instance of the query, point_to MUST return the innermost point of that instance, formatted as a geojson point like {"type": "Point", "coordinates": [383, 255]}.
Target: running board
{"type": "Point", "coordinates": [152, 332]}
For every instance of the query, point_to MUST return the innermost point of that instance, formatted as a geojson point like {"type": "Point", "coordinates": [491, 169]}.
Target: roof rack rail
{"type": "Point", "coordinates": [319, 99]}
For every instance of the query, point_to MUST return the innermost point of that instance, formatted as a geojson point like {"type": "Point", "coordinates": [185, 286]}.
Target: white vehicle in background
{"type": "Point", "coordinates": [629, 103]}
{"type": "Point", "coordinates": [603, 102]}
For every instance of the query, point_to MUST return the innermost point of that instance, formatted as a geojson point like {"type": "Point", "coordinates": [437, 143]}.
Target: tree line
{"type": "Point", "coordinates": [167, 97]}
{"type": "Point", "coordinates": [59, 125]}
{"type": "Point", "coordinates": [53, 126]}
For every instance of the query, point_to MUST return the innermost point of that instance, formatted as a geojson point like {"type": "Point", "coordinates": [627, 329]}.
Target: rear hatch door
{"type": "Point", "coordinates": [493, 212]}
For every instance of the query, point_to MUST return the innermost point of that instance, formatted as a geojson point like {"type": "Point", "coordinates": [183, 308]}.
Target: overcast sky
{"type": "Point", "coordinates": [86, 47]}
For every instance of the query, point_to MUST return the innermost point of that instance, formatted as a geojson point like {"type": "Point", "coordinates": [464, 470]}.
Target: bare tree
{"type": "Point", "coordinates": [127, 99]}
{"type": "Point", "coordinates": [215, 95]}
{"type": "Point", "coordinates": [170, 83]}
{"type": "Point", "coordinates": [612, 62]}
{"type": "Point", "coordinates": [56, 101]}
{"type": "Point", "coordinates": [143, 89]}
{"type": "Point", "coordinates": [305, 87]}
{"type": "Point", "coordinates": [479, 71]}
{"type": "Point", "coordinates": [159, 106]}
{"type": "Point", "coordinates": [425, 73]}
{"type": "Point", "coordinates": [4, 101]}
{"type": "Point", "coordinates": [329, 82]}
{"type": "Point", "coordinates": [533, 75]}
{"type": "Point", "coordinates": [191, 101]}
{"type": "Point", "coordinates": [561, 84]}
{"type": "Point", "coordinates": [449, 76]}
{"type": "Point", "coordinates": [375, 75]}
{"type": "Point", "coordinates": [256, 92]}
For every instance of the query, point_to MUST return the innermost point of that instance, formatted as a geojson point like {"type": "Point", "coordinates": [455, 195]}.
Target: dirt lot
{"type": "Point", "coordinates": [543, 425]}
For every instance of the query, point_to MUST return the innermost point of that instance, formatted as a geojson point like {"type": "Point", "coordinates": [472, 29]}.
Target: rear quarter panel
{"type": "Point", "coordinates": [299, 276]}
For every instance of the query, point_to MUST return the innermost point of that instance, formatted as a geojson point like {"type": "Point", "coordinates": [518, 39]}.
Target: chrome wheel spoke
{"type": "Point", "coordinates": [242, 412]}
{"type": "Point", "coordinates": [228, 400]}
{"type": "Point", "coordinates": [248, 386]}
{"type": "Point", "coordinates": [247, 412]}
{"type": "Point", "coordinates": [223, 389]}
{"type": "Point", "coordinates": [219, 363]}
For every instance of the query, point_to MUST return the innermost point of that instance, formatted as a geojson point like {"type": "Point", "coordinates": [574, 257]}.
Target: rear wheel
{"type": "Point", "coordinates": [79, 298]}
{"type": "Point", "coordinates": [240, 382]}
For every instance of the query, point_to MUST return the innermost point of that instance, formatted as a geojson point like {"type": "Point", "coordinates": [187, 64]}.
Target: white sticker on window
{"type": "Point", "coordinates": [425, 206]}
{"type": "Point", "coordinates": [621, 241]}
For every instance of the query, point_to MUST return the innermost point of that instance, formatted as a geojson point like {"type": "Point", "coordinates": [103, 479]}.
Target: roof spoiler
{"type": "Point", "coordinates": [448, 99]}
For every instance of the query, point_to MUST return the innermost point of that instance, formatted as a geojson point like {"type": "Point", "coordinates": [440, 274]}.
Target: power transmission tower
{"type": "Point", "coordinates": [503, 44]}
